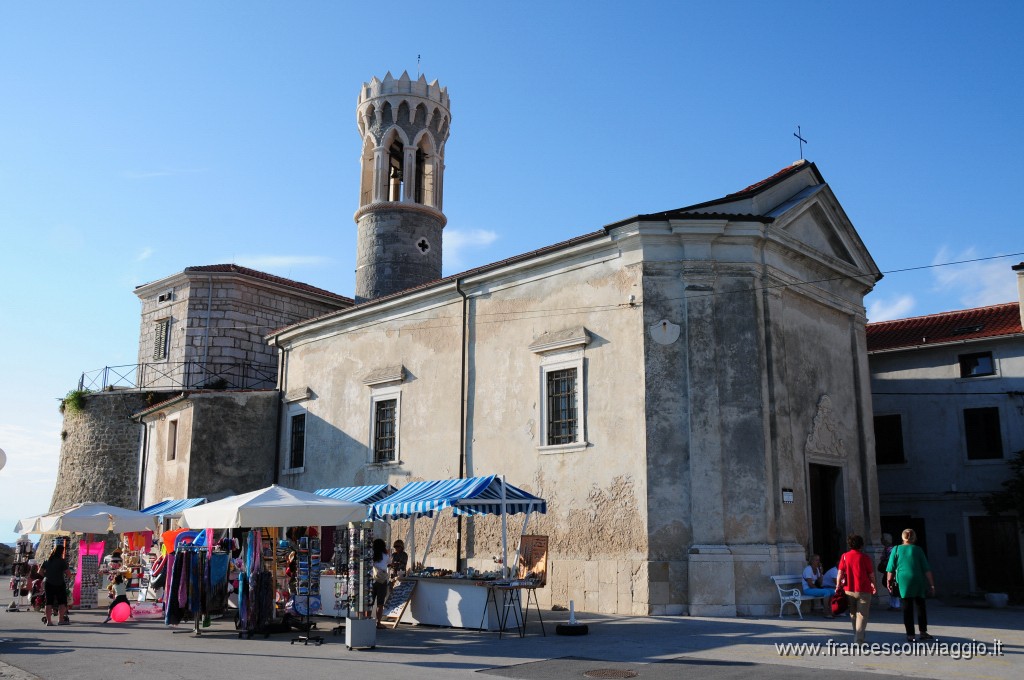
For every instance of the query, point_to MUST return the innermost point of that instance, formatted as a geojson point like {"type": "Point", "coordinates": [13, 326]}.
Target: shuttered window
{"type": "Point", "coordinates": [160, 344]}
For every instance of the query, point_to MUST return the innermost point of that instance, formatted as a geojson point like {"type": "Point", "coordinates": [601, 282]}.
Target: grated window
{"type": "Point", "coordinates": [561, 395]}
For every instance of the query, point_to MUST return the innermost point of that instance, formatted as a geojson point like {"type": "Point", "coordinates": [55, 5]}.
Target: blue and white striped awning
{"type": "Point", "coordinates": [359, 494]}
{"type": "Point", "coordinates": [472, 496]}
{"type": "Point", "coordinates": [172, 508]}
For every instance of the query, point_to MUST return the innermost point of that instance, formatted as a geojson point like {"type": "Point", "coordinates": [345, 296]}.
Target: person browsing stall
{"type": "Point", "coordinates": [380, 576]}
{"type": "Point", "coordinates": [55, 571]}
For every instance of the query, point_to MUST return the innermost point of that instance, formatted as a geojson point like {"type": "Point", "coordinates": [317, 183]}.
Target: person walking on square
{"type": "Point", "coordinates": [908, 568]}
{"type": "Point", "coordinates": [857, 579]}
{"type": "Point", "coordinates": [55, 570]}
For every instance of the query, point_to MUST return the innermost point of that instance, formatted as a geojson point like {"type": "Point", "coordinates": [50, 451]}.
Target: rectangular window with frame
{"type": "Point", "coordinates": [889, 440]}
{"type": "Point", "coordinates": [385, 430]}
{"type": "Point", "coordinates": [297, 438]}
{"type": "Point", "coordinates": [984, 438]}
{"type": "Point", "coordinates": [977, 365]}
{"type": "Point", "coordinates": [172, 439]}
{"type": "Point", "coordinates": [162, 339]}
{"type": "Point", "coordinates": [562, 422]}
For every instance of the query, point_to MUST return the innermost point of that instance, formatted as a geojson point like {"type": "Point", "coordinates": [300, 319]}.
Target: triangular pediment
{"type": "Point", "coordinates": [814, 219]}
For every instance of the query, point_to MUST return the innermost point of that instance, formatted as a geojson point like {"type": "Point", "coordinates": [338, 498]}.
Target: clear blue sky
{"type": "Point", "coordinates": [137, 139]}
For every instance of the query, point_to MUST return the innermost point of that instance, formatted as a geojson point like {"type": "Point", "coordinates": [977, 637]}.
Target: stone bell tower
{"type": "Point", "coordinates": [404, 124]}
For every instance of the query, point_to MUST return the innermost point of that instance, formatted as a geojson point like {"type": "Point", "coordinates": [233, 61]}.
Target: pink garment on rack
{"type": "Point", "coordinates": [85, 548]}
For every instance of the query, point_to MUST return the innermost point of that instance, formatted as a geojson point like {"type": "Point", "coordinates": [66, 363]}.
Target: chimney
{"type": "Point", "coordinates": [1019, 268]}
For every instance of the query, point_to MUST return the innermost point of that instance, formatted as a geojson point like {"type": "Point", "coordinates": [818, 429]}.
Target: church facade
{"type": "Point", "coordinates": [688, 389]}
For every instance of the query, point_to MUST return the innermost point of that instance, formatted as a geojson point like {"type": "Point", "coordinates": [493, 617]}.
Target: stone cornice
{"type": "Point", "coordinates": [390, 206]}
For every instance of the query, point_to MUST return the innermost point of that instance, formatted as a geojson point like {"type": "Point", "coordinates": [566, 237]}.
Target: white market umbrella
{"type": "Point", "coordinates": [29, 525]}
{"type": "Point", "coordinates": [274, 506]}
{"type": "Point", "coordinates": [93, 518]}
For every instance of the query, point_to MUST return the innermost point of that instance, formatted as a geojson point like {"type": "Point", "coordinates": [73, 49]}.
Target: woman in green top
{"type": "Point", "coordinates": [909, 567]}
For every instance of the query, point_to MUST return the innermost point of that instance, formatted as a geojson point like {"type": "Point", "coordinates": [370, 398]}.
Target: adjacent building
{"type": "Point", "coordinates": [948, 393]}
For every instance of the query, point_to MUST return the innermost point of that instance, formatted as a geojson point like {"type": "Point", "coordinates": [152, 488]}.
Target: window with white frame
{"type": "Point", "coordinates": [385, 414]}
{"type": "Point", "coordinates": [385, 430]}
{"type": "Point", "coordinates": [172, 439]}
{"type": "Point", "coordinates": [562, 389]}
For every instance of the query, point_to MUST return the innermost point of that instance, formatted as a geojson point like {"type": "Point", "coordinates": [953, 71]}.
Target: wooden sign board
{"type": "Point", "coordinates": [533, 558]}
{"type": "Point", "coordinates": [397, 601]}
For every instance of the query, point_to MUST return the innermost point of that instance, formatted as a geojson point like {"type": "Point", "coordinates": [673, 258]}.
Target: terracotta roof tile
{"type": "Point", "coordinates": [280, 280]}
{"type": "Point", "coordinates": [964, 324]}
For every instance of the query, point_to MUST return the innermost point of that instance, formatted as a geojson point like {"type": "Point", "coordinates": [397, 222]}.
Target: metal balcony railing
{"type": "Point", "coordinates": [186, 375]}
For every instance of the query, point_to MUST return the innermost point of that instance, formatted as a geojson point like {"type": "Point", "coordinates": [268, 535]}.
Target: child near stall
{"type": "Point", "coordinates": [119, 591]}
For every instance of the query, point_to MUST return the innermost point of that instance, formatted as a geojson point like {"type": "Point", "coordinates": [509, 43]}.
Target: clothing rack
{"type": "Point", "coordinates": [187, 587]}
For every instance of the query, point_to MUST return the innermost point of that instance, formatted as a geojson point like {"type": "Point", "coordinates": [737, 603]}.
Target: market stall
{"type": "Point", "coordinates": [89, 519]}
{"type": "Point", "coordinates": [460, 600]}
{"type": "Point", "coordinates": [274, 506]}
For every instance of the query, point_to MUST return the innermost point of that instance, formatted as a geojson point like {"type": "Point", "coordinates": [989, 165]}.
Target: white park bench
{"type": "Point", "coordinates": [790, 587]}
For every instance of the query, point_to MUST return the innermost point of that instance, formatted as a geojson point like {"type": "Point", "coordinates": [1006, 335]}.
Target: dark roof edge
{"type": "Point", "coordinates": [946, 343]}
{"type": "Point", "coordinates": [763, 185]}
{"type": "Point", "coordinates": [685, 214]}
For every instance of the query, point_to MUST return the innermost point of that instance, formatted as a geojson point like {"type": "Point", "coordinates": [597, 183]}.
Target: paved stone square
{"type": "Point", "coordinates": [656, 648]}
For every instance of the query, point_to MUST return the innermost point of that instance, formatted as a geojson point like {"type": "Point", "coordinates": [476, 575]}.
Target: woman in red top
{"type": "Point", "coordinates": [857, 578]}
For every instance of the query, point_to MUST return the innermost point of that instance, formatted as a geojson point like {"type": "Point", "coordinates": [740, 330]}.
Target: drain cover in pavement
{"type": "Point", "coordinates": [610, 673]}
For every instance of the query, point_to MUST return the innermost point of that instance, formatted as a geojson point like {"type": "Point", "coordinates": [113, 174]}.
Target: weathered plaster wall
{"type": "Point", "coordinates": [596, 495]}
{"type": "Point", "coordinates": [232, 447]}
{"type": "Point", "coordinates": [167, 478]}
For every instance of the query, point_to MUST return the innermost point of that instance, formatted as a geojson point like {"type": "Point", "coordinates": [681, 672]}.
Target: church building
{"type": "Point", "coordinates": [688, 389]}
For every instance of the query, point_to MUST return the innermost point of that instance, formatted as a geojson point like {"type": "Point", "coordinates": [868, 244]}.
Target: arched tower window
{"type": "Point", "coordinates": [366, 174]}
{"type": "Point", "coordinates": [425, 186]}
{"type": "Point", "coordinates": [396, 156]}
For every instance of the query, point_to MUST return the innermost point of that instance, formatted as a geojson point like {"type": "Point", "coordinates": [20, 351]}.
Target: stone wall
{"type": "Point", "coordinates": [99, 454]}
{"type": "Point", "coordinates": [219, 319]}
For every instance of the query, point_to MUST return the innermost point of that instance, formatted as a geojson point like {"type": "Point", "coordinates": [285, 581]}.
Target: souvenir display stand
{"type": "Point", "coordinates": [20, 571]}
{"type": "Point", "coordinates": [360, 624]}
{"type": "Point", "coordinates": [334, 587]}
{"type": "Point", "coordinates": [307, 587]}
